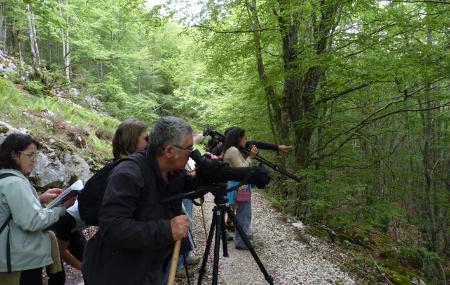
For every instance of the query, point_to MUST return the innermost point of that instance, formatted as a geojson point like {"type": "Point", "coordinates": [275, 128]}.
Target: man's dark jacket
{"type": "Point", "coordinates": [134, 237]}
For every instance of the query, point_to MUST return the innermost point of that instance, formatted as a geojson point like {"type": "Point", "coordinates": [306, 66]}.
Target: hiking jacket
{"type": "Point", "coordinates": [134, 236]}
{"type": "Point", "coordinates": [30, 246]}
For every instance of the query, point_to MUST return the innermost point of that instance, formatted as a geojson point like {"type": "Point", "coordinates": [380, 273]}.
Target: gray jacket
{"type": "Point", "coordinates": [30, 246]}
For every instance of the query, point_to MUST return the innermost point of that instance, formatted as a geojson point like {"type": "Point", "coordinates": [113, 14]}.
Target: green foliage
{"type": "Point", "coordinates": [34, 87]}
{"type": "Point", "coordinates": [13, 104]}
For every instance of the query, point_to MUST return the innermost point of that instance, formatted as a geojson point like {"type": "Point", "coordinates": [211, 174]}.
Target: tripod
{"type": "Point", "coordinates": [218, 227]}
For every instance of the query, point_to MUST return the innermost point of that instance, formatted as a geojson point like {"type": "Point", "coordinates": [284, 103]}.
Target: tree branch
{"type": "Point", "coordinates": [335, 96]}
{"type": "Point", "coordinates": [365, 122]}
{"type": "Point", "coordinates": [234, 31]}
{"type": "Point", "coordinates": [372, 117]}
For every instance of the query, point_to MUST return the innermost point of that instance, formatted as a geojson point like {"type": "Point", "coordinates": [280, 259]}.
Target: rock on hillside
{"type": "Point", "coordinates": [6, 63]}
{"type": "Point", "coordinates": [54, 168]}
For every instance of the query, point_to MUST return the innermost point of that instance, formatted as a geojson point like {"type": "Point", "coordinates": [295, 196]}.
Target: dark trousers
{"type": "Point", "coordinates": [77, 243]}
{"type": "Point", "coordinates": [31, 277]}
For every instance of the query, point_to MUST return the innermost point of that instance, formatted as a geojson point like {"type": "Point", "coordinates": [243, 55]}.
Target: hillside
{"type": "Point", "coordinates": [58, 122]}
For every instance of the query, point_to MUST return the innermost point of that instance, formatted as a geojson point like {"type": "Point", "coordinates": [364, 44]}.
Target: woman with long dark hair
{"type": "Point", "coordinates": [23, 219]}
{"type": "Point", "coordinates": [234, 141]}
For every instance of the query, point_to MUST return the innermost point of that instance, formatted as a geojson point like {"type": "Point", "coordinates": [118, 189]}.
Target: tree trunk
{"type": "Point", "coordinates": [299, 91]}
{"type": "Point", "coordinates": [33, 42]}
{"type": "Point", "coordinates": [14, 42]}
{"type": "Point", "coordinates": [278, 125]}
{"type": "Point", "coordinates": [429, 158]}
{"type": "Point", "coordinates": [3, 28]}
{"type": "Point", "coordinates": [65, 40]}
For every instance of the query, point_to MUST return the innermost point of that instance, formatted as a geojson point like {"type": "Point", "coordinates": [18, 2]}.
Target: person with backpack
{"type": "Point", "coordinates": [25, 247]}
{"type": "Point", "coordinates": [136, 232]}
{"type": "Point", "coordinates": [131, 135]}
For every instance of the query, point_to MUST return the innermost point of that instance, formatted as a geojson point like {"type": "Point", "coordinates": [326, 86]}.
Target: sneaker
{"type": "Point", "coordinates": [241, 247]}
{"type": "Point", "coordinates": [229, 237]}
{"type": "Point", "coordinates": [181, 273]}
{"type": "Point", "coordinates": [192, 260]}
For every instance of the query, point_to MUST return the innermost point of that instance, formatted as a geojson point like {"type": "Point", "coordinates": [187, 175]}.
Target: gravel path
{"type": "Point", "coordinates": [288, 260]}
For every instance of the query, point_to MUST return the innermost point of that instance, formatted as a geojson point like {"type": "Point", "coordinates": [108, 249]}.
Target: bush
{"type": "Point", "coordinates": [34, 87]}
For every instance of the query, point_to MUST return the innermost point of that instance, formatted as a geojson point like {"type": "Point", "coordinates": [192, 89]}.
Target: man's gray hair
{"type": "Point", "coordinates": [168, 130]}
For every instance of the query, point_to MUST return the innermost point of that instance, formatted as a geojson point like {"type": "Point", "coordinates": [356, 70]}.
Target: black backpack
{"type": "Point", "coordinates": [90, 197]}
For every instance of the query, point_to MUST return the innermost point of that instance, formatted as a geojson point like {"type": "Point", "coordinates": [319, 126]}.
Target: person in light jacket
{"type": "Point", "coordinates": [235, 140]}
{"type": "Point", "coordinates": [22, 214]}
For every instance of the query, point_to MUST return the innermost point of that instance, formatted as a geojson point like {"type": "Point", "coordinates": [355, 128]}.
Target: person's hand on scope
{"type": "Point", "coordinates": [284, 148]}
{"type": "Point", "coordinates": [253, 151]}
{"type": "Point", "coordinates": [180, 227]}
{"type": "Point", "coordinates": [212, 156]}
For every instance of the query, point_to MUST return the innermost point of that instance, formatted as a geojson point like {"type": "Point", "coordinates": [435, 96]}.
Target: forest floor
{"type": "Point", "coordinates": [290, 260]}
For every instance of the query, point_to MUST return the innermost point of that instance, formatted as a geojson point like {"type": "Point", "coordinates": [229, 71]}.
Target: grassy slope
{"type": "Point", "coordinates": [69, 120]}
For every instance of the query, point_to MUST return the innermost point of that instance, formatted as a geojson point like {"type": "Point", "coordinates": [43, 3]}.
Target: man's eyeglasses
{"type": "Point", "coordinates": [189, 149]}
{"type": "Point", "coordinates": [31, 155]}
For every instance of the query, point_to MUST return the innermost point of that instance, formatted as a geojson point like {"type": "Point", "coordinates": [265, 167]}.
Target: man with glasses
{"type": "Point", "coordinates": [136, 233]}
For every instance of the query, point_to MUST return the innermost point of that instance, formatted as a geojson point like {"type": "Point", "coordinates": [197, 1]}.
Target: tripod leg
{"type": "Point", "coordinates": [202, 270]}
{"type": "Point", "coordinates": [219, 216]}
{"type": "Point", "coordinates": [224, 233]}
{"type": "Point", "coordinates": [244, 237]}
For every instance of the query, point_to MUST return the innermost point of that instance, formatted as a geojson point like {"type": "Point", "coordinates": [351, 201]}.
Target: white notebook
{"type": "Point", "coordinates": [68, 193]}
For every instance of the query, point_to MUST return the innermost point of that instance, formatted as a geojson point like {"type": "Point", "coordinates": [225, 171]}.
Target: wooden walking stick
{"type": "Point", "coordinates": [174, 263]}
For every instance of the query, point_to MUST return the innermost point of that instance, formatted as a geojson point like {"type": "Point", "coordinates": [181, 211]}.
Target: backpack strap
{"type": "Point", "coordinates": [142, 163]}
{"type": "Point", "coordinates": [6, 223]}
{"type": "Point", "coordinates": [8, 252]}
{"type": "Point", "coordinates": [4, 175]}
{"type": "Point", "coordinates": [8, 243]}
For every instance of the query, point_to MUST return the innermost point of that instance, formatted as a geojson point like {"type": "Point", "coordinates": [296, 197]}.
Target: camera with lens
{"type": "Point", "coordinates": [215, 171]}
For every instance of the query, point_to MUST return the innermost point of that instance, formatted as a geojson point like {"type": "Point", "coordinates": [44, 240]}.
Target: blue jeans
{"type": "Point", "coordinates": [188, 206]}
{"type": "Point", "coordinates": [244, 218]}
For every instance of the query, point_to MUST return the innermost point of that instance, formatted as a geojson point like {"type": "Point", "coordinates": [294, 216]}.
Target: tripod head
{"type": "Point", "coordinates": [214, 134]}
